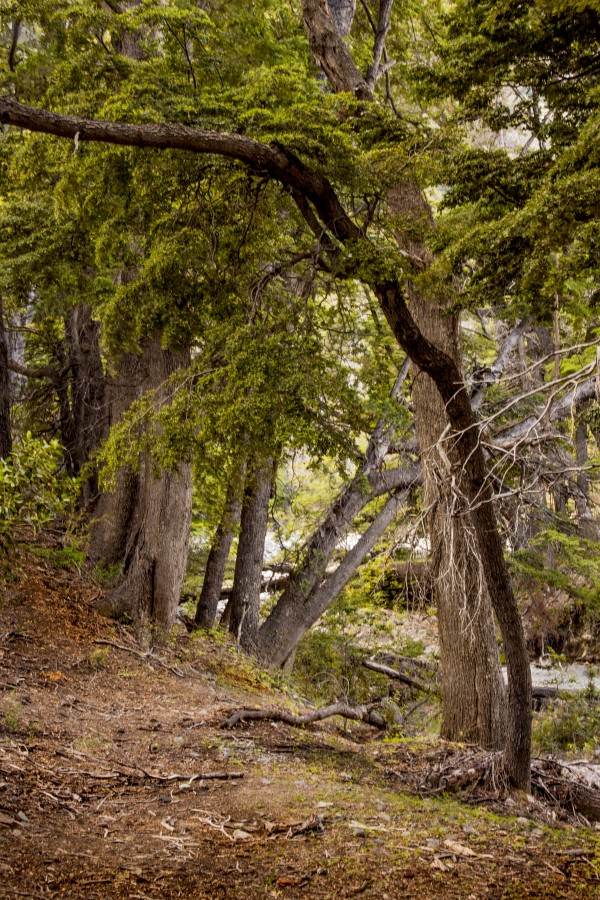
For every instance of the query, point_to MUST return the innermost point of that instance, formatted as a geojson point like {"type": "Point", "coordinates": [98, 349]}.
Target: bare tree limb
{"type": "Point", "coordinates": [356, 713]}
{"type": "Point", "coordinates": [383, 26]}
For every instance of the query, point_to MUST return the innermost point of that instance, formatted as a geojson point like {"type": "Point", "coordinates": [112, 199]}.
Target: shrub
{"type": "Point", "coordinates": [570, 725]}
{"type": "Point", "coordinates": [32, 491]}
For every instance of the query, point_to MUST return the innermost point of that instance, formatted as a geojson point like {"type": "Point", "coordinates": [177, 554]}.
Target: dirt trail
{"type": "Point", "coordinates": [102, 794]}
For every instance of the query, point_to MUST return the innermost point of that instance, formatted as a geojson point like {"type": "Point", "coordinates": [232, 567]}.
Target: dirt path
{"type": "Point", "coordinates": [102, 794]}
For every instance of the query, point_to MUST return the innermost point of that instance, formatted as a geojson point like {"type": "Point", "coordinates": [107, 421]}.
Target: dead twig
{"type": "Point", "coordinates": [141, 654]}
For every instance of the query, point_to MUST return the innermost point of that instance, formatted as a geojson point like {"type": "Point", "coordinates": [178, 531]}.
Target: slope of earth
{"type": "Point", "coordinates": [116, 780]}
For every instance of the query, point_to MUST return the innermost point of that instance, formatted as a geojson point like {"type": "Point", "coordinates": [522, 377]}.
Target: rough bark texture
{"type": "Point", "coordinates": [5, 427]}
{"type": "Point", "coordinates": [116, 510]}
{"type": "Point", "coordinates": [472, 687]}
{"type": "Point", "coordinates": [82, 397]}
{"type": "Point", "coordinates": [342, 13]}
{"type": "Point", "coordinates": [244, 602]}
{"type": "Point", "coordinates": [156, 534]}
{"type": "Point", "coordinates": [298, 610]}
{"type": "Point", "coordinates": [206, 611]}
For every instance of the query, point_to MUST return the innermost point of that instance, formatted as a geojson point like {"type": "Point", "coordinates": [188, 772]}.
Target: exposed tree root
{"type": "Point", "coordinates": [357, 713]}
{"type": "Point", "coordinates": [565, 791]}
{"type": "Point", "coordinates": [566, 787]}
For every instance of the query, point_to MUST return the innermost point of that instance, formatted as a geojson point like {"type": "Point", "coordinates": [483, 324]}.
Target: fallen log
{"type": "Point", "coordinates": [357, 713]}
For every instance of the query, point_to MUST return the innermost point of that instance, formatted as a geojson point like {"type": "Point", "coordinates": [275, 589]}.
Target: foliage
{"type": "Point", "coordinates": [570, 725]}
{"type": "Point", "coordinates": [564, 562]}
{"type": "Point", "coordinates": [32, 491]}
{"type": "Point", "coordinates": [522, 189]}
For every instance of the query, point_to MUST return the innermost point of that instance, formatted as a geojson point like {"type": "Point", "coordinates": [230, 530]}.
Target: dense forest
{"type": "Point", "coordinates": [319, 277]}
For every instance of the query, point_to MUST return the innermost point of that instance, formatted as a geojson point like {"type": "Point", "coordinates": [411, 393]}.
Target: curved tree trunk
{"type": "Point", "coordinates": [206, 611]}
{"type": "Point", "coordinates": [465, 472]}
{"type": "Point", "coordinates": [244, 603]}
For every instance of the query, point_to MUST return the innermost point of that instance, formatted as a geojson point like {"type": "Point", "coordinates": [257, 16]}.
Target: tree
{"type": "Point", "coordinates": [321, 208]}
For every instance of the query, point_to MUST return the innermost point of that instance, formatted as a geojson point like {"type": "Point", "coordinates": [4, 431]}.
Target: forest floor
{"type": "Point", "coordinates": [106, 758]}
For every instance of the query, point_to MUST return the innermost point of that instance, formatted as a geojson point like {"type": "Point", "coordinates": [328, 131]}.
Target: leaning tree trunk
{"type": "Point", "coordinates": [287, 624]}
{"type": "Point", "coordinates": [244, 603]}
{"type": "Point", "coordinates": [290, 618]}
{"type": "Point", "coordinates": [157, 533]}
{"type": "Point", "coordinates": [206, 611]}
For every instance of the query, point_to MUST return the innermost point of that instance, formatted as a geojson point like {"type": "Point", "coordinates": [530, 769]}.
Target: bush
{"type": "Point", "coordinates": [32, 492]}
{"type": "Point", "coordinates": [570, 725]}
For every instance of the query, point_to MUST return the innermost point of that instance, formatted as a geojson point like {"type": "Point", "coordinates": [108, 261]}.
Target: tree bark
{"type": "Point", "coordinates": [5, 426]}
{"type": "Point", "coordinates": [86, 413]}
{"type": "Point", "coordinates": [244, 602]}
{"type": "Point", "coordinates": [116, 511]}
{"type": "Point", "coordinates": [473, 708]}
{"type": "Point", "coordinates": [206, 610]}
{"type": "Point", "coordinates": [293, 615]}
{"type": "Point", "coordinates": [156, 529]}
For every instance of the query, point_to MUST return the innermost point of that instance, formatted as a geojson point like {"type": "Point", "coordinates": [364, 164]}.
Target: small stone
{"type": "Point", "coordinates": [239, 835]}
{"type": "Point", "coordinates": [21, 815]}
{"type": "Point", "coordinates": [165, 798]}
{"type": "Point", "coordinates": [266, 781]}
{"type": "Point", "coordinates": [433, 844]}
{"type": "Point", "coordinates": [523, 821]}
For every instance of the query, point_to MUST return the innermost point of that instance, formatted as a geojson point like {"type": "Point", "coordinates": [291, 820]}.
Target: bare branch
{"type": "Point", "coordinates": [376, 70]}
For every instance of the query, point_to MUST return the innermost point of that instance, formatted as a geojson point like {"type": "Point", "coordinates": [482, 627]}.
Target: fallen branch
{"type": "Point", "coordinates": [141, 654]}
{"type": "Point", "coordinates": [199, 776]}
{"type": "Point", "coordinates": [415, 683]}
{"type": "Point", "coordinates": [357, 713]}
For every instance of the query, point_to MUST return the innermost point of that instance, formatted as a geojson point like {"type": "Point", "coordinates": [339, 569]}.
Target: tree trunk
{"type": "Point", "coordinates": [88, 395]}
{"type": "Point", "coordinates": [157, 531]}
{"type": "Point", "coordinates": [472, 686]}
{"type": "Point", "coordinates": [473, 693]}
{"type": "Point", "coordinates": [206, 611]}
{"type": "Point", "coordinates": [5, 427]}
{"type": "Point", "coordinates": [116, 510]}
{"type": "Point", "coordinates": [245, 597]}
{"type": "Point", "coordinates": [287, 624]}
